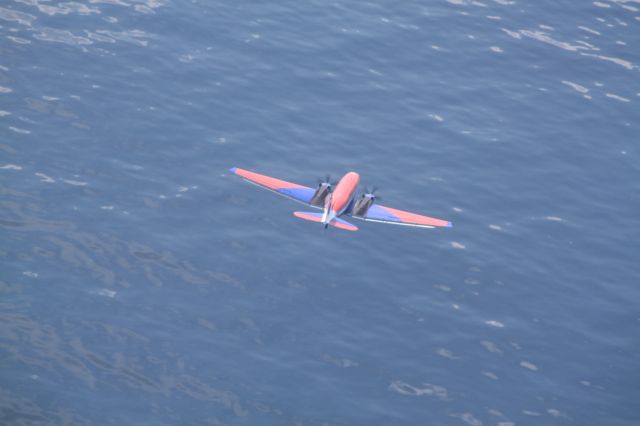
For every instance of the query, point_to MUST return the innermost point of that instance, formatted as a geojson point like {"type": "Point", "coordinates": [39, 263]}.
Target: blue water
{"type": "Point", "coordinates": [141, 283]}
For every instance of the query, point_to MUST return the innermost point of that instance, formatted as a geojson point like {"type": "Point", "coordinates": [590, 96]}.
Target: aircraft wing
{"type": "Point", "coordinates": [299, 193]}
{"type": "Point", "coordinates": [378, 213]}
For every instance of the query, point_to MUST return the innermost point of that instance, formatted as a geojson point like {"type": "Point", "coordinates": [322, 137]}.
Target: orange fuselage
{"type": "Point", "coordinates": [342, 195]}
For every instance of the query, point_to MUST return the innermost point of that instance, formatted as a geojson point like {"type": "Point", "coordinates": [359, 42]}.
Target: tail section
{"type": "Point", "coordinates": [317, 217]}
{"type": "Point", "coordinates": [343, 224]}
{"type": "Point", "coordinates": [312, 216]}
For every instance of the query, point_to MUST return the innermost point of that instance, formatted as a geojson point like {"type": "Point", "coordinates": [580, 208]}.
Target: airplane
{"type": "Point", "coordinates": [339, 201]}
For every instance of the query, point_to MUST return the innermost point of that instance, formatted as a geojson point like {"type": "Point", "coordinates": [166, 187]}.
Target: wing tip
{"type": "Point", "coordinates": [233, 169]}
{"type": "Point", "coordinates": [449, 224]}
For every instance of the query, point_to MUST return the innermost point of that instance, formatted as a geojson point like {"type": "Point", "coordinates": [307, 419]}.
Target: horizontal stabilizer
{"type": "Point", "coordinates": [312, 216]}
{"type": "Point", "coordinates": [317, 217]}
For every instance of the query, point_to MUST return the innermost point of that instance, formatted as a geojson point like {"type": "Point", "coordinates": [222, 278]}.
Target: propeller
{"type": "Point", "coordinates": [326, 181]}
{"type": "Point", "coordinates": [371, 193]}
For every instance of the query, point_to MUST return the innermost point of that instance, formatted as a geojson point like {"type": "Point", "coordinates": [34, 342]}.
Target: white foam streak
{"type": "Point", "coordinates": [10, 167]}
{"type": "Point", "coordinates": [628, 65]}
{"type": "Point", "coordinates": [575, 86]}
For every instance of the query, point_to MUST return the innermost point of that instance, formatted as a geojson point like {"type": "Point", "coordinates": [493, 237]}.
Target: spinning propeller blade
{"type": "Point", "coordinates": [371, 192]}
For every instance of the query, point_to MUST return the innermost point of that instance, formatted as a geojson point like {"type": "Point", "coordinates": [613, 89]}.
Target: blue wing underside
{"type": "Point", "coordinates": [293, 191]}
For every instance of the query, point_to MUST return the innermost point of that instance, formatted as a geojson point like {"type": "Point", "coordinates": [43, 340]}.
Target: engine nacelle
{"type": "Point", "coordinates": [361, 207]}
{"type": "Point", "coordinates": [321, 193]}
